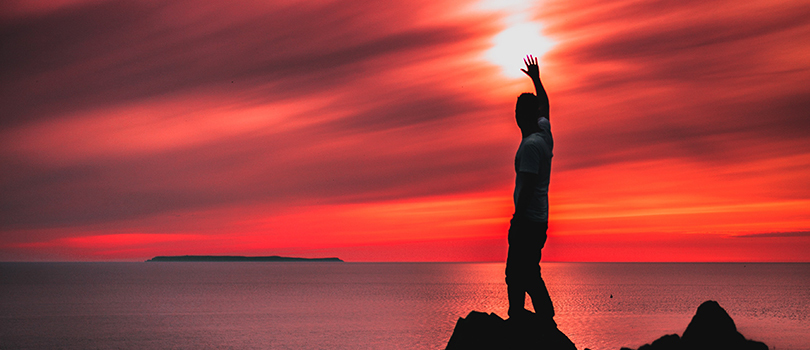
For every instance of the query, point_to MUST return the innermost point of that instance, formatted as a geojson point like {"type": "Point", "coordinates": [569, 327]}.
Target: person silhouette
{"type": "Point", "coordinates": [527, 231]}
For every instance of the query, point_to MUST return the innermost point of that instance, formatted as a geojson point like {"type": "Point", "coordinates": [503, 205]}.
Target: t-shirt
{"type": "Point", "coordinates": [534, 156]}
{"type": "Point", "coordinates": [545, 127]}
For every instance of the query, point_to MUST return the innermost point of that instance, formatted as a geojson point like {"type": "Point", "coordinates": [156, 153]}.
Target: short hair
{"type": "Point", "coordinates": [527, 107]}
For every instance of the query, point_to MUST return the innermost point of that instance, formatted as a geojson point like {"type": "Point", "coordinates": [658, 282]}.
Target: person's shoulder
{"type": "Point", "coordinates": [531, 142]}
{"type": "Point", "coordinates": [538, 142]}
{"type": "Point", "coordinates": [544, 124]}
{"type": "Point", "coordinates": [534, 138]}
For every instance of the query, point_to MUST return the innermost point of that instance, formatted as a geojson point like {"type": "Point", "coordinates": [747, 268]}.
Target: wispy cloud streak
{"type": "Point", "coordinates": [140, 118]}
{"type": "Point", "coordinates": [703, 81]}
{"type": "Point", "coordinates": [125, 110]}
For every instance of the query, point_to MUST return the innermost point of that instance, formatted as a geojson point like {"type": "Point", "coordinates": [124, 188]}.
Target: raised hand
{"type": "Point", "coordinates": [532, 70]}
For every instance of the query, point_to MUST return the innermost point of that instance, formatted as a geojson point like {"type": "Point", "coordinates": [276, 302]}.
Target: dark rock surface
{"type": "Point", "coordinates": [488, 331]}
{"type": "Point", "coordinates": [711, 328]}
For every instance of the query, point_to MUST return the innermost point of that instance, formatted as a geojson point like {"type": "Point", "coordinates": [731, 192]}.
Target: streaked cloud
{"type": "Point", "coordinates": [776, 234]}
{"type": "Point", "coordinates": [148, 126]}
{"type": "Point", "coordinates": [700, 81]}
{"type": "Point", "coordinates": [125, 110]}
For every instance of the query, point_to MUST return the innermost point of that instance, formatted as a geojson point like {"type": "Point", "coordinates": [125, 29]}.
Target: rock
{"type": "Point", "coordinates": [488, 331]}
{"type": "Point", "coordinates": [477, 331]}
{"type": "Point", "coordinates": [667, 342]}
{"type": "Point", "coordinates": [711, 328]}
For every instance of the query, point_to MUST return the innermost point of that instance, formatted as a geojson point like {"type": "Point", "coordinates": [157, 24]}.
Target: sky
{"type": "Point", "coordinates": [384, 131]}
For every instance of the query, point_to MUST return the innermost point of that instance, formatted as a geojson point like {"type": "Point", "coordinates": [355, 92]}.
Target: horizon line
{"type": "Point", "coordinates": [417, 262]}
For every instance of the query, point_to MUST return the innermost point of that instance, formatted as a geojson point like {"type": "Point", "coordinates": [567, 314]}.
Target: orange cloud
{"type": "Point", "coordinates": [382, 132]}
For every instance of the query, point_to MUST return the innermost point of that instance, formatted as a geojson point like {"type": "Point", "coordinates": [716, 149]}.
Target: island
{"type": "Point", "coordinates": [231, 258]}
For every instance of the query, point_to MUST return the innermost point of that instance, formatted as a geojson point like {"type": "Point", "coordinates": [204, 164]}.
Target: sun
{"type": "Point", "coordinates": [520, 37]}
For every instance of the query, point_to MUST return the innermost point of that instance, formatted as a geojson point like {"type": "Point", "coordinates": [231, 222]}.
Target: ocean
{"type": "Point", "coordinates": [312, 305]}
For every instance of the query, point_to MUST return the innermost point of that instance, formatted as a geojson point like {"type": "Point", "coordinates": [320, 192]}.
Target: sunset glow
{"type": "Point", "coordinates": [384, 131]}
{"type": "Point", "coordinates": [519, 35]}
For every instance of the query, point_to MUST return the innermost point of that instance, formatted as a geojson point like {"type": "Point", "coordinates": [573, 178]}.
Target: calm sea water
{"type": "Point", "coordinates": [377, 306]}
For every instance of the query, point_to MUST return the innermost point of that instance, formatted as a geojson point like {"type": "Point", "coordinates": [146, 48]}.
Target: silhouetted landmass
{"type": "Point", "coordinates": [710, 328]}
{"type": "Point", "coordinates": [488, 331]}
{"type": "Point", "coordinates": [226, 258]}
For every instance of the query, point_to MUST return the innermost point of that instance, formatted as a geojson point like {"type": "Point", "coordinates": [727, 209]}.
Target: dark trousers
{"type": "Point", "coordinates": [526, 240]}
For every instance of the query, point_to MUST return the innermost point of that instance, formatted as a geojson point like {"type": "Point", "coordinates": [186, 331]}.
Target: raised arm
{"type": "Point", "coordinates": [533, 71]}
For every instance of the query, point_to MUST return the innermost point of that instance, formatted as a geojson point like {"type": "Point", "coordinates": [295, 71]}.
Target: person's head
{"type": "Point", "coordinates": [527, 111]}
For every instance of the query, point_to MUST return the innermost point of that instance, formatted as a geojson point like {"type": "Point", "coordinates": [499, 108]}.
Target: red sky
{"type": "Point", "coordinates": [384, 131]}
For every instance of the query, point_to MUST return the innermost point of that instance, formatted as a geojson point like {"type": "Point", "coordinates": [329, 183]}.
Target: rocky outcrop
{"type": "Point", "coordinates": [711, 328]}
{"type": "Point", "coordinates": [488, 331]}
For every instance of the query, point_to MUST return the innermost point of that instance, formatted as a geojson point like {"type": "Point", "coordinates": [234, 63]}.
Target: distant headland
{"type": "Point", "coordinates": [228, 258]}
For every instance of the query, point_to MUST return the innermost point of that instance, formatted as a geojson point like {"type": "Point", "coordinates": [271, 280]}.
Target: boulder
{"type": "Point", "coordinates": [489, 331]}
{"type": "Point", "coordinates": [711, 328]}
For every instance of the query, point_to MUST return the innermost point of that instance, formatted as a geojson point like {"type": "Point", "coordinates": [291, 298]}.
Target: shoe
{"type": "Point", "coordinates": [520, 314]}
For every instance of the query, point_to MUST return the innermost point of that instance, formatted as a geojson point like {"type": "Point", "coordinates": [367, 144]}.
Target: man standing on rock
{"type": "Point", "coordinates": [527, 233]}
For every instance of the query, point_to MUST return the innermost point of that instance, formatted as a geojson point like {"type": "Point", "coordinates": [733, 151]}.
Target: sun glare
{"type": "Point", "coordinates": [520, 37]}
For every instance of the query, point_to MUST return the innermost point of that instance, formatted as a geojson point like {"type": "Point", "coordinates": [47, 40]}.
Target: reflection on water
{"type": "Point", "coordinates": [377, 306]}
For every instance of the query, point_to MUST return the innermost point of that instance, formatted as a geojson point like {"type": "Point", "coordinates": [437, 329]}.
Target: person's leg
{"type": "Point", "coordinates": [541, 299]}
{"type": "Point", "coordinates": [516, 271]}
{"type": "Point", "coordinates": [537, 287]}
